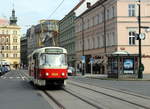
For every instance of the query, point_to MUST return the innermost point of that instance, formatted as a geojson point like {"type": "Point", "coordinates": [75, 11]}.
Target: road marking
{"type": "Point", "coordinates": [23, 78]}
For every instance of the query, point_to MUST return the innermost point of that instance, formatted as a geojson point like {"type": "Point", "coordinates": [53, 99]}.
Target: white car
{"type": "Point", "coordinates": [71, 71]}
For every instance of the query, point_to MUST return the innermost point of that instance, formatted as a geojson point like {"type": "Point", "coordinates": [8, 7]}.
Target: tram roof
{"type": "Point", "coordinates": [42, 49]}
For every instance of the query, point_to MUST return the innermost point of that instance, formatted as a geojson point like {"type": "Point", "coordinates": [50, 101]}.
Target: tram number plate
{"type": "Point", "coordinates": [54, 74]}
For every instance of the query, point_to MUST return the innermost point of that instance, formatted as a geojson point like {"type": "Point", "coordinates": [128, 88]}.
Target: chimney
{"type": "Point", "coordinates": [88, 5]}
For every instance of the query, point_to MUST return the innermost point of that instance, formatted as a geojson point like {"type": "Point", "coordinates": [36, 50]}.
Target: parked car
{"type": "Point", "coordinates": [8, 67]}
{"type": "Point", "coordinates": [1, 72]}
{"type": "Point", "coordinates": [71, 71]}
{"type": "Point", "coordinates": [4, 69]}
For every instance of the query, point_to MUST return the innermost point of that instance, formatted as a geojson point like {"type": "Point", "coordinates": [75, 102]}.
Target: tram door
{"type": "Point", "coordinates": [35, 57]}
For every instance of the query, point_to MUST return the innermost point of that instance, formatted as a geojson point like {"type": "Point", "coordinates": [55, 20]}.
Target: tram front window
{"type": "Point", "coordinates": [54, 60]}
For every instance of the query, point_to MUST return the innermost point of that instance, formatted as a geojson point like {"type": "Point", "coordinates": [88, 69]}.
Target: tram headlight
{"type": "Point", "coordinates": [63, 74]}
{"type": "Point", "coordinates": [47, 74]}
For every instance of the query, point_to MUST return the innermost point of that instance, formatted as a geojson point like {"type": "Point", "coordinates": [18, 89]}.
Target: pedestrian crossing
{"type": "Point", "coordinates": [10, 78]}
{"type": "Point", "coordinates": [14, 75]}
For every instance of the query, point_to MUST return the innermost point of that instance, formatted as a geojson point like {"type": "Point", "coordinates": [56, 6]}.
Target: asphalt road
{"type": "Point", "coordinates": [139, 87]}
{"type": "Point", "coordinates": [17, 93]}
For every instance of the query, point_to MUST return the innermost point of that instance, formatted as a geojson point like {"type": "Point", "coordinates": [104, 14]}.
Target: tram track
{"type": "Point", "coordinates": [57, 101]}
{"type": "Point", "coordinates": [54, 100]}
{"type": "Point", "coordinates": [122, 91]}
{"type": "Point", "coordinates": [86, 101]}
{"type": "Point", "coordinates": [115, 97]}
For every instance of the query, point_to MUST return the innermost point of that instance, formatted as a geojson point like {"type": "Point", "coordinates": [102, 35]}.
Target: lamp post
{"type": "Point", "coordinates": [140, 73]}
{"type": "Point", "coordinates": [104, 19]}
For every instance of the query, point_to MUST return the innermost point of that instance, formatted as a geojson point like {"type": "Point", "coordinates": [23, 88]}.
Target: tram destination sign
{"type": "Point", "coordinates": [53, 50]}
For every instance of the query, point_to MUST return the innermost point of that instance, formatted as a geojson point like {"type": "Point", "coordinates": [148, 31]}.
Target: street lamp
{"type": "Point", "coordinates": [104, 19]}
{"type": "Point", "coordinates": [140, 72]}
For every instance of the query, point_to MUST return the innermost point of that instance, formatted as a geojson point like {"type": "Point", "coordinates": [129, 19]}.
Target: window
{"type": "Point", "coordinates": [15, 32]}
{"type": "Point", "coordinates": [2, 39]}
{"type": "Point", "coordinates": [88, 23]}
{"type": "Point", "coordinates": [2, 47]}
{"type": "Point", "coordinates": [113, 11]}
{"type": "Point", "coordinates": [131, 10]}
{"type": "Point", "coordinates": [14, 47]}
{"type": "Point", "coordinates": [107, 40]}
{"type": "Point", "coordinates": [7, 40]}
{"type": "Point", "coordinates": [107, 13]}
{"type": "Point", "coordinates": [7, 48]}
{"type": "Point", "coordinates": [7, 55]}
{"type": "Point", "coordinates": [14, 55]}
{"type": "Point", "coordinates": [102, 16]}
{"type": "Point", "coordinates": [132, 38]}
{"type": "Point", "coordinates": [14, 40]}
{"type": "Point", "coordinates": [3, 55]}
{"type": "Point", "coordinates": [6, 31]}
{"type": "Point", "coordinates": [114, 41]}
{"type": "Point", "coordinates": [93, 42]}
{"type": "Point", "coordinates": [88, 43]}
{"type": "Point", "coordinates": [98, 41]}
{"type": "Point", "coordinates": [2, 31]}
{"type": "Point", "coordinates": [92, 21]}
{"type": "Point", "coordinates": [101, 41]}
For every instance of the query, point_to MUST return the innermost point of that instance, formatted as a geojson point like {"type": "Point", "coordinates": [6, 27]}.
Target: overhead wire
{"type": "Point", "coordinates": [56, 8]}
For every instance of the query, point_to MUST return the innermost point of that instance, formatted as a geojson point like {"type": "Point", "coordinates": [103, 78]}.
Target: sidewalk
{"type": "Point", "coordinates": [146, 77]}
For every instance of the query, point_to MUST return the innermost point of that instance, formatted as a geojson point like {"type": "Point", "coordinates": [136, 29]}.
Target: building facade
{"type": "Point", "coordinates": [67, 29]}
{"type": "Point", "coordinates": [10, 42]}
{"type": "Point", "coordinates": [110, 26]}
{"type": "Point", "coordinates": [67, 36]}
{"type": "Point", "coordinates": [23, 52]}
{"type": "Point", "coordinates": [42, 35]}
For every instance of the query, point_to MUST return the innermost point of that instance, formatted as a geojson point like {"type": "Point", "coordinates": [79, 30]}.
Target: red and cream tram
{"type": "Point", "coordinates": [48, 65]}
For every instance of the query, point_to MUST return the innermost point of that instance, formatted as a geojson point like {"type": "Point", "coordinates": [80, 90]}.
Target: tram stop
{"type": "Point", "coordinates": [123, 65]}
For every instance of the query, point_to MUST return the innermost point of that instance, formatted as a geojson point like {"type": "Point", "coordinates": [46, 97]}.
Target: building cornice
{"type": "Point", "coordinates": [11, 27]}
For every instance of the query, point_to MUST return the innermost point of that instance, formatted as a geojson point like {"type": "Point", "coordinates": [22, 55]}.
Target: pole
{"type": "Point", "coordinates": [104, 38]}
{"type": "Point", "coordinates": [91, 68]}
{"type": "Point", "coordinates": [140, 74]}
{"type": "Point", "coordinates": [83, 64]}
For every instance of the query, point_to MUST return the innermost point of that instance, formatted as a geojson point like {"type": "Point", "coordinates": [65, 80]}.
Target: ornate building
{"type": "Point", "coordinates": [10, 42]}
{"type": "Point", "coordinates": [42, 35]}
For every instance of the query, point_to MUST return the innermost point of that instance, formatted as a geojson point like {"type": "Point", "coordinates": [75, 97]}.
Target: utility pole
{"type": "Point", "coordinates": [140, 73]}
{"type": "Point", "coordinates": [104, 20]}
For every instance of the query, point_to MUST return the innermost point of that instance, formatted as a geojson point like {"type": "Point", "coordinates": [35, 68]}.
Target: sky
{"type": "Point", "coordinates": [29, 12]}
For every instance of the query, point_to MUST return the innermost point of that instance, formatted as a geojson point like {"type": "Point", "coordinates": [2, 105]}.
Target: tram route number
{"type": "Point", "coordinates": [54, 74]}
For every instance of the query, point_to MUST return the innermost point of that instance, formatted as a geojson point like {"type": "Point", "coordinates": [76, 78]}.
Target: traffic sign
{"type": "Point", "coordinates": [83, 59]}
{"type": "Point", "coordinates": [91, 60]}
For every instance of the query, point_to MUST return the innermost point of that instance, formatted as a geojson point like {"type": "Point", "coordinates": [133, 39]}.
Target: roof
{"type": "Point", "coordinates": [4, 21]}
{"type": "Point", "coordinates": [42, 50]}
{"type": "Point", "coordinates": [76, 7]}
{"type": "Point", "coordinates": [99, 2]}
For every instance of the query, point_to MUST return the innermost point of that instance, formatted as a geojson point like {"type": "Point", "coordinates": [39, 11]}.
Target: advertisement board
{"type": "Point", "coordinates": [128, 65]}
